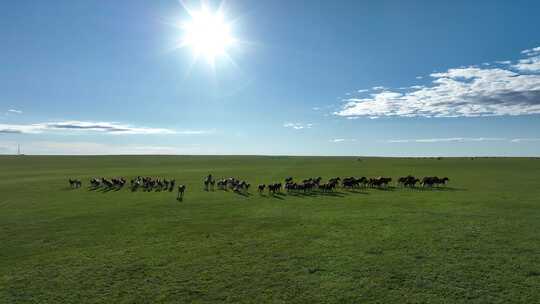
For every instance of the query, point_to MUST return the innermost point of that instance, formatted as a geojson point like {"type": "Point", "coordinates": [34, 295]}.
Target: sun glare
{"type": "Point", "coordinates": [207, 34]}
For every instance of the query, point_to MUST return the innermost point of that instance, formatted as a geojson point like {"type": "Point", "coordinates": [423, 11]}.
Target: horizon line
{"type": "Point", "coordinates": [286, 155]}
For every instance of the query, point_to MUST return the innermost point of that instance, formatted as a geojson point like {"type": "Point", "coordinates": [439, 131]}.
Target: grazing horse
{"type": "Point", "coordinates": [273, 188]}
{"type": "Point", "coordinates": [222, 184]}
{"type": "Point", "coordinates": [75, 183]}
{"type": "Point", "coordinates": [379, 182]}
{"type": "Point", "coordinates": [429, 181]}
{"type": "Point", "coordinates": [444, 180]}
{"type": "Point", "coordinates": [95, 182]}
{"type": "Point", "coordinates": [181, 189]}
{"type": "Point", "coordinates": [328, 187]}
{"type": "Point", "coordinates": [208, 181]}
{"type": "Point", "coordinates": [411, 182]}
{"type": "Point", "coordinates": [408, 181]}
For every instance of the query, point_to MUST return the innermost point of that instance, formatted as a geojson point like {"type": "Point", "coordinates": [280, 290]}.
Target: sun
{"type": "Point", "coordinates": [208, 34]}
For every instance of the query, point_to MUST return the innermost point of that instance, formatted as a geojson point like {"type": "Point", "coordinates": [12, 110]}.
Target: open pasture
{"type": "Point", "coordinates": [477, 240]}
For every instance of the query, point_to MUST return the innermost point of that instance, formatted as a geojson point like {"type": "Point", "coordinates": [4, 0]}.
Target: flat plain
{"type": "Point", "coordinates": [477, 240]}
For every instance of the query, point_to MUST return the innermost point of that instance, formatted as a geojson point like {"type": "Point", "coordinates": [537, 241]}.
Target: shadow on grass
{"type": "Point", "coordinates": [68, 188]}
{"type": "Point", "coordinates": [437, 189]}
{"type": "Point", "coordinates": [105, 190]}
{"type": "Point", "coordinates": [355, 191]}
{"type": "Point", "coordinates": [246, 194]}
{"type": "Point", "coordinates": [317, 193]}
{"type": "Point", "coordinates": [388, 188]}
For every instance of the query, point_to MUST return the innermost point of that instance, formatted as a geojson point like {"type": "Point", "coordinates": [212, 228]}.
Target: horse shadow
{"type": "Point", "coordinates": [333, 194]}
{"type": "Point", "coordinates": [388, 188]}
{"type": "Point", "coordinates": [318, 193]}
{"type": "Point", "coordinates": [246, 194]}
{"type": "Point", "coordinates": [105, 190]}
{"type": "Point", "coordinates": [355, 191]}
{"type": "Point", "coordinates": [443, 188]}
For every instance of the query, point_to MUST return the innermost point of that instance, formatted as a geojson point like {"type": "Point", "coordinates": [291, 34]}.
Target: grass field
{"type": "Point", "coordinates": [478, 241]}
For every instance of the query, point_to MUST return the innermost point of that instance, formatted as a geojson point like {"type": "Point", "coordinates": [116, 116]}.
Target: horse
{"type": "Point", "coordinates": [208, 181]}
{"type": "Point", "coordinates": [75, 183]}
{"type": "Point", "coordinates": [181, 189]}
{"type": "Point", "coordinates": [408, 181]}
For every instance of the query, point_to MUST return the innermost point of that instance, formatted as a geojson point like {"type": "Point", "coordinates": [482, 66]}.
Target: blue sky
{"type": "Point", "coordinates": [388, 78]}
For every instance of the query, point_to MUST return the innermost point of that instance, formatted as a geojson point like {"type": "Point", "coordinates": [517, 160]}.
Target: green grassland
{"type": "Point", "coordinates": [476, 241]}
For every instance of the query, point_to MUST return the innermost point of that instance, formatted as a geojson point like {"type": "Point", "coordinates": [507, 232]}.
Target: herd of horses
{"type": "Point", "coordinates": [148, 184]}
{"type": "Point", "coordinates": [316, 183]}
{"type": "Point", "coordinates": [145, 183]}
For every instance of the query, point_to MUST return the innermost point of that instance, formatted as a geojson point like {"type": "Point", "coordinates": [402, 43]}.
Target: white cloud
{"type": "Point", "coordinates": [531, 52]}
{"type": "Point", "coordinates": [297, 125]}
{"type": "Point", "coordinates": [466, 91]}
{"type": "Point", "coordinates": [449, 139]}
{"type": "Point", "coordinates": [531, 64]}
{"type": "Point", "coordinates": [520, 140]}
{"type": "Point", "coordinates": [94, 148]}
{"type": "Point", "coordinates": [315, 108]}
{"type": "Point", "coordinates": [362, 90]}
{"type": "Point", "coordinates": [85, 126]}
{"type": "Point", "coordinates": [378, 88]}
{"type": "Point", "coordinates": [19, 129]}
{"type": "Point", "coordinates": [462, 140]}
{"type": "Point", "coordinates": [339, 140]}
{"type": "Point", "coordinates": [419, 77]}
{"type": "Point", "coordinates": [13, 111]}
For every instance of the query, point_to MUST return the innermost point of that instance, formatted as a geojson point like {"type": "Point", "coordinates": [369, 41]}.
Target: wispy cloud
{"type": "Point", "coordinates": [19, 129]}
{"type": "Point", "coordinates": [462, 140]}
{"type": "Point", "coordinates": [531, 64]}
{"type": "Point", "coordinates": [340, 140]}
{"type": "Point", "coordinates": [467, 91]}
{"type": "Point", "coordinates": [298, 125]}
{"type": "Point", "coordinates": [13, 111]}
{"type": "Point", "coordinates": [520, 140]}
{"type": "Point", "coordinates": [531, 52]}
{"type": "Point", "coordinates": [95, 148]}
{"type": "Point", "coordinates": [85, 126]}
